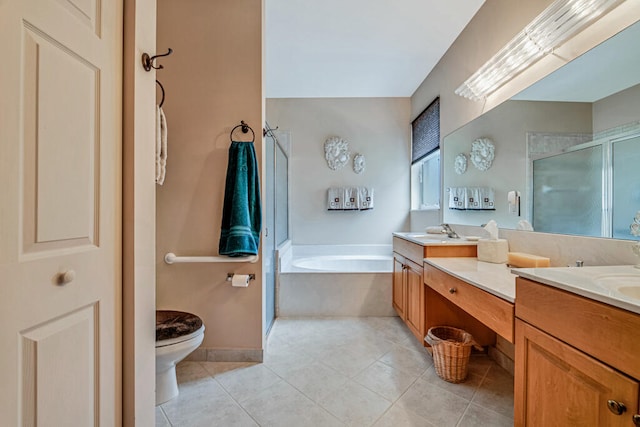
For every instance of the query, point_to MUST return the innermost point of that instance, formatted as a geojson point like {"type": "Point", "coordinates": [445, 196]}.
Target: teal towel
{"type": "Point", "coordinates": [241, 213]}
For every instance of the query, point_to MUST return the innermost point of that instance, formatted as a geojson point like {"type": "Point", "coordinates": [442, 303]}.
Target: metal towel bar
{"type": "Point", "coordinates": [171, 258]}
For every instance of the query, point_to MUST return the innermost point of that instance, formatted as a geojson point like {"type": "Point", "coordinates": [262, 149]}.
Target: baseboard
{"type": "Point", "coordinates": [502, 359]}
{"type": "Point", "coordinates": [225, 355]}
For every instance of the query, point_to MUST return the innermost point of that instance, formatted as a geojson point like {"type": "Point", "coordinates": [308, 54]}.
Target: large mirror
{"type": "Point", "coordinates": [567, 149]}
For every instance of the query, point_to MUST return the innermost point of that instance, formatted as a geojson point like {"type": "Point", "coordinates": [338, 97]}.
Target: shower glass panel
{"type": "Point", "coordinates": [282, 196]}
{"type": "Point", "coordinates": [569, 188]}
{"type": "Point", "coordinates": [276, 214]}
{"type": "Point", "coordinates": [625, 191]}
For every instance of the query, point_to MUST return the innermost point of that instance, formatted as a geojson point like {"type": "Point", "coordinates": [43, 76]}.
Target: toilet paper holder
{"type": "Point", "coordinates": [230, 276]}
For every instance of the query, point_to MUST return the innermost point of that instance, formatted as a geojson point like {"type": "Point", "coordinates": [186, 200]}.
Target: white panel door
{"type": "Point", "coordinates": [60, 212]}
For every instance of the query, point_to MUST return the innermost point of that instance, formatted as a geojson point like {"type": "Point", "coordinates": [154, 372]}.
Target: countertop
{"type": "Point", "coordinates": [433, 239]}
{"type": "Point", "coordinates": [618, 286]}
{"type": "Point", "coordinates": [496, 279]}
{"type": "Point", "coordinates": [606, 284]}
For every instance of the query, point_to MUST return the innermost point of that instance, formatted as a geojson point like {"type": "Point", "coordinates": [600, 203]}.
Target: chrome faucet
{"type": "Point", "coordinates": [450, 233]}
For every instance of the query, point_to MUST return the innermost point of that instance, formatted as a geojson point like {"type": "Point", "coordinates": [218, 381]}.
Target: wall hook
{"type": "Point", "coordinates": [148, 61]}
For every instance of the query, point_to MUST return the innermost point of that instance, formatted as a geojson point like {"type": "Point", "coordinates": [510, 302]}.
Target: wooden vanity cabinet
{"type": "Point", "coordinates": [408, 294]}
{"type": "Point", "coordinates": [399, 286]}
{"type": "Point", "coordinates": [577, 360]}
{"type": "Point", "coordinates": [408, 288]}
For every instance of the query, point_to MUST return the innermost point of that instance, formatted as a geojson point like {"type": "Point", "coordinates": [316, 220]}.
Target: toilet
{"type": "Point", "coordinates": [177, 335]}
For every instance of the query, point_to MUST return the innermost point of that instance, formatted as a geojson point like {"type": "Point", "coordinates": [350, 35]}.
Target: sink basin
{"type": "Point", "coordinates": [630, 291]}
{"type": "Point", "coordinates": [429, 238]}
{"type": "Point", "coordinates": [627, 285]}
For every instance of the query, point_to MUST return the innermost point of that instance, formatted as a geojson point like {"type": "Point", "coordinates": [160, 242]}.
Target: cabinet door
{"type": "Point", "coordinates": [415, 299]}
{"type": "Point", "coordinates": [557, 385]}
{"type": "Point", "coordinates": [399, 292]}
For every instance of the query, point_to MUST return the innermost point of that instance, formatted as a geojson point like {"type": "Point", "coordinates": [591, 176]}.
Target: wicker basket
{"type": "Point", "coordinates": [451, 350]}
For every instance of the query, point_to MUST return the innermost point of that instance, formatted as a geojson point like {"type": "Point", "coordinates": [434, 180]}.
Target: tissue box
{"type": "Point", "coordinates": [495, 251]}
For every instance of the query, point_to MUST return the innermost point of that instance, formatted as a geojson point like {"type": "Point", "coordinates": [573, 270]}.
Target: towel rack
{"type": "Point", "coordinates": [245, 129]}
{"type": "Point", "coordinates": [171, 258]}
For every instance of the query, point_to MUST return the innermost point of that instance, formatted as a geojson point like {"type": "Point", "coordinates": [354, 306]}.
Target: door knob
{"type": "Point", "coordinates": [616, 407]}
{"type": "Point", "coordinates": [66, 277]}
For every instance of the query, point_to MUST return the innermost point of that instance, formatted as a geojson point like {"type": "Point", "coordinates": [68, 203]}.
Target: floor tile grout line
{"type": "Point", "coordinates": [231, 396]}
{"type": "Point", "coordinates": [351, 334]}
{"type": "Point", "coordinates": [463, 414]}
{"type": "Point", "coordinates": [166, 417]}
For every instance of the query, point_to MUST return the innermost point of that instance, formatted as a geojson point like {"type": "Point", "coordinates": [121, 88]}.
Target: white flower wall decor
{"type": "Point", "coordinates": [336, 152]}
{"type": "Point", "coordinates": [482, 153]}
{"type": "Point", "coordinates": [460, 164]}
{"type": "Point", "coordinates": [635, 231]}
{"type": "Point", "coordinates": [359, 163]}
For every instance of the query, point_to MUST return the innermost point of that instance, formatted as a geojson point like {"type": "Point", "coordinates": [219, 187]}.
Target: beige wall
{"type": "Point", "coordinates": [378, 128]}
{"type": "Point", "coordinates": [618, 109]}
{"type": "Point", "coordinates": [212, 81]}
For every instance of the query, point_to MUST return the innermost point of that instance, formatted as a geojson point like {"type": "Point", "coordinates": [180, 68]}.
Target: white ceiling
{"type": "Point", "coordinates": [357, 48]}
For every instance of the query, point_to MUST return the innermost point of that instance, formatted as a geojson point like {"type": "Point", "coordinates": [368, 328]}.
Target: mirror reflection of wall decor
{"type": "Point", "coordinates": [460, 163]}
{"type": "Point", "coordinates": [359, 163]}
{"type": "Point", "coordinates": [336, 152]}
{"type": "Point", "coordinates": [482, 153]}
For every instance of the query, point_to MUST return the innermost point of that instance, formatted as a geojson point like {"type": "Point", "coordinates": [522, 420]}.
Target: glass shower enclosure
{"type": "Point", "coordinates": [591, 189]}
{"type": "Point", "coordinates": [276, 216]}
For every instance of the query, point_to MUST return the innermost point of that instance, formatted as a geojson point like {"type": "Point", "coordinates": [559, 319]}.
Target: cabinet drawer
{"type": "Point", "coordinates": [417, 253]}
{"type": "Point", "coordinates": [409, 250]}
{"type": "Point", "coordinates": [494, 312]}
{"type": "Point", "coordinates": [607, 333]}
{"type": "Point", "coordinates": [444, 251]}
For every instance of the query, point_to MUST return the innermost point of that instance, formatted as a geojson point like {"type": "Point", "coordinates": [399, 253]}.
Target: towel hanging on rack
{"type": "Point", "coordinates": [161, 145]}
{"type": "Point", "coordinates": [242, 212]}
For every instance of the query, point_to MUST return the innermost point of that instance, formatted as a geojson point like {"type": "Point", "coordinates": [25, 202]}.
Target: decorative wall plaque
{"type": "Point", "coordinates": [482, 153]}
{"type": "Point", "coordinates": [460, 164]}
{"type": "Point", "coordinates": [336, 152]}
{"type": "Point", "coordinates": [359, 163]}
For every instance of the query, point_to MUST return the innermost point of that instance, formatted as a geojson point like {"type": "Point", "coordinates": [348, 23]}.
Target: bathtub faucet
{"type": "Point", "coordinates": [450, 233]}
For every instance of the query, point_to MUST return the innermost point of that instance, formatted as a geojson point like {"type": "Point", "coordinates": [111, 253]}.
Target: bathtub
{"type": "Point", "coordinates": [345, 263]}
{"type": "Point", "coordinates": [335, 280]}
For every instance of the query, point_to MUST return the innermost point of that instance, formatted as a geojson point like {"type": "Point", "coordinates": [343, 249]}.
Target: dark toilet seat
{"type": "Point", "coordinates": [176, 326]}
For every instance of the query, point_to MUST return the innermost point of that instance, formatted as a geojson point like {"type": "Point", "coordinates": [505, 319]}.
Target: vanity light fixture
{"type": "Point", "coordinates": [556, 24]}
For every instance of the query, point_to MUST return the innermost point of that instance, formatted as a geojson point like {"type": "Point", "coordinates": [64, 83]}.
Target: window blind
{"type": "Point", "coordinates": [425, 132]}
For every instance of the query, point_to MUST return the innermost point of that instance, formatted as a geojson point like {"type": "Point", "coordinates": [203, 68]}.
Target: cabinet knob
{"type": "Point", "coordinates": [636, 420]}
{"type": "Point", "coordinates": [452, 290]}
{"type": "Point", "coordinates": [616, 407]}
{"type": "Point", "coordinates": [66, 277]}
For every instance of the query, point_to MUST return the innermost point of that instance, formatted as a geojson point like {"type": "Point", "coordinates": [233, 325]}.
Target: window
{"type": "Point", "coordinates": [425, 158]}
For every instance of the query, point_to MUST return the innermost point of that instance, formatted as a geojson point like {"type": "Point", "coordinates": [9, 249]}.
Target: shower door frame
{"type": "Point", "coordinates": [281, 141]}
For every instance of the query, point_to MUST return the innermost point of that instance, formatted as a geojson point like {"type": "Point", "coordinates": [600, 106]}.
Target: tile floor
{"type": "Point", "coordinates": [366, 371]}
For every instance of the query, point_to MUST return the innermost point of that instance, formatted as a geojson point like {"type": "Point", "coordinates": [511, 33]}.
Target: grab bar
{"type": "Point", "coordinates": [171, 258]}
